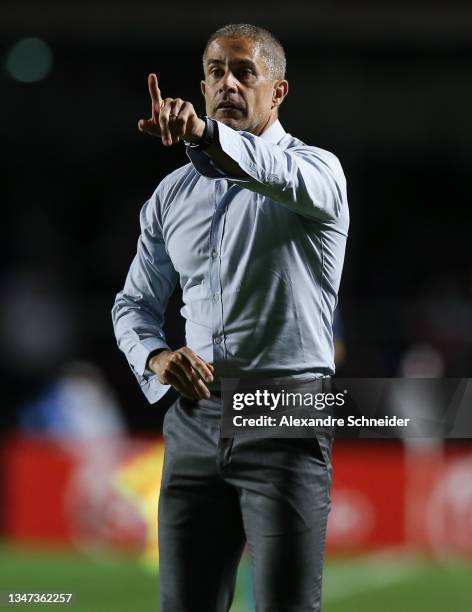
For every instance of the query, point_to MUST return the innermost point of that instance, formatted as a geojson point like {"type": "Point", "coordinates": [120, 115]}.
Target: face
{"type": "Point", "coordinates": [236, 88]}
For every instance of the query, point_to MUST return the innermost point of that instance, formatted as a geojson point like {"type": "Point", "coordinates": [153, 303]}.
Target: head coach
{"type": "Point", "coordinates": [254, 228]}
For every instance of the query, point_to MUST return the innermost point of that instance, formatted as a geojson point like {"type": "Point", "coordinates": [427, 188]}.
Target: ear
{"type": "Point", "coordinates": [279, 92]}
{"type": "Point", "coordinates": [203, 87]}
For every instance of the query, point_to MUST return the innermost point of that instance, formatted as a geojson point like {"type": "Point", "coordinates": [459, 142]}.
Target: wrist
{"type": "Point", "coordinates": [207, 135]}
{"type": "Point", "coordinates": [199, 132]}
{"type": "Point", "coordinates": [196, 137]}
{"type": "Point", "coordinates": [152, 357]}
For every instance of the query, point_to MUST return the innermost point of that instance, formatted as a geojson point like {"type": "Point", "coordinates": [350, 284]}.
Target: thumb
{"type": "Point", "coordinates": [148, 126]}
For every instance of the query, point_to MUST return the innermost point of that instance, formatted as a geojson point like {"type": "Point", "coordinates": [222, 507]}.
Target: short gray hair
{"type": "Point", "coordinates": [270, 48]}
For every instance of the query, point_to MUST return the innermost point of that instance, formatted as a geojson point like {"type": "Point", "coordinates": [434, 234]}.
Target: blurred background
{"type": "Point", "coordinates": [386, 87]}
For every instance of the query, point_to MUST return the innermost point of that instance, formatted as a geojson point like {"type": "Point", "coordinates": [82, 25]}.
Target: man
{"type": "Point", "coordinates": [255, 228]}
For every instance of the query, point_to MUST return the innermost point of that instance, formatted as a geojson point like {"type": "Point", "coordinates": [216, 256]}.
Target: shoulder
{"type": "Point", "coordinates": [317, 155]}
{"type": "Point", "coordinates": [170, 187]}
{"type": "Point", "coordinates": [325, 165]}
{"type": "Point", "coordinates": [178, 179]}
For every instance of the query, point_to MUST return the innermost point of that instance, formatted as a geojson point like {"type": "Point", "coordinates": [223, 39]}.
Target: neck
{"type": "Point", "coordinates": [265, 125]}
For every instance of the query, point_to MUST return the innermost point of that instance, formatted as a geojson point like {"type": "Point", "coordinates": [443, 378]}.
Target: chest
{"type": "Point", "coordinates": [227, 221]}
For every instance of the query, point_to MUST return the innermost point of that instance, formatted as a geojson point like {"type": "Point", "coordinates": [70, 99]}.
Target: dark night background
{"type": "Point", "coordinates": [385, 86]}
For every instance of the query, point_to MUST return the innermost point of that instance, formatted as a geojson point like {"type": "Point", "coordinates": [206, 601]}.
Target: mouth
{"type": "Point", "coordinates": [229, 107]}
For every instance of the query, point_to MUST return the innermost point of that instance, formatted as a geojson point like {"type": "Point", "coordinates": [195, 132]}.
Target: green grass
{"type": "Point", "coordinates": [362, 584]}
{"type": "Point", "coordinates": [101, 584]}
{"type": "Point", "coordinates": [398, 584]}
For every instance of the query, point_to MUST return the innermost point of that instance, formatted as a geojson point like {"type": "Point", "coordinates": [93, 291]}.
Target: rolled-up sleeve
{"type": "Point", "coordinates": [307, 180]}
{"type": "Point", "coordinates": [139, 309]}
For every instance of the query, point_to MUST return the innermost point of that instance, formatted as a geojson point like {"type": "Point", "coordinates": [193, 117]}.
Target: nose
{"type": "Point", "coordinates": [228, 83]}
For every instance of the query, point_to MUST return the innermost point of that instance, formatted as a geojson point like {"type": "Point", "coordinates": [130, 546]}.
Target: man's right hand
{"type": "Point", "coordinates": [172, 119]}
{"type": "Point", "coordinates": [184, 370]}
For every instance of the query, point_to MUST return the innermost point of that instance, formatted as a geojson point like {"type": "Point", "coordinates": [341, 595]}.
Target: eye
{"type": "Point", "coordinates": [216, 72]}
{"type": "Point", "coordinates": [246, 73]}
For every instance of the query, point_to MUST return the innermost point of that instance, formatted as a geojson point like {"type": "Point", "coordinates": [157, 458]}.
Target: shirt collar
{"type": "Point", "coordinates": [274, 133]}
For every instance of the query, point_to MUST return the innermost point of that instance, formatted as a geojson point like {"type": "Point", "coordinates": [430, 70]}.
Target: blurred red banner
{"type": "Point", "coordinates": [104, 493]}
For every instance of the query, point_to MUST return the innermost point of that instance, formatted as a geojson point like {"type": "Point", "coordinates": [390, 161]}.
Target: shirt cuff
{"type": "Point", "coordinates": [153, 390]}
{"type": "Point", "coordinates": [235, 144]}
{"type": "Point", "coordinates": [230, 142]}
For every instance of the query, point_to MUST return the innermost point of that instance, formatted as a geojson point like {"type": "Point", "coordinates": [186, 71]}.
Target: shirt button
{"type": "Point", "coordinates": [214, 253]}
{"type": "Point", "coordinates": [217, 340]}
{"type": "Point", "coordinates": [216, 297]}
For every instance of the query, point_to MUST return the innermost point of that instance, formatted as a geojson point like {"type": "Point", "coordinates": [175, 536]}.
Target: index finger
{"type": "Point", "coordinates": [155, 94]}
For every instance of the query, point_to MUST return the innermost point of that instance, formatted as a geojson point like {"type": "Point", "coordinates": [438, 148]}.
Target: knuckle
{"type": "Point", "coordinates": [166, 370]}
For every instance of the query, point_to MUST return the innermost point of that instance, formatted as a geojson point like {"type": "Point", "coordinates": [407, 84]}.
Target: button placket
{"type": "Point", "coordinates": [215, 272]}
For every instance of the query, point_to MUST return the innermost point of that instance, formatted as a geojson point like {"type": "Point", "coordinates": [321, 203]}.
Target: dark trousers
{"type": "Point", "coordinates": [217, 493]}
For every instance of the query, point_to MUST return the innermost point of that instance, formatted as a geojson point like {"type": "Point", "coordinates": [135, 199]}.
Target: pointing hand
{"type": "Point", "coordinates": [172, 119]}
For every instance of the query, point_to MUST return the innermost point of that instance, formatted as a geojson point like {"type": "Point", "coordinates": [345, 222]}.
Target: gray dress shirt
{"type": "Point", "coordinates": [259, 261]}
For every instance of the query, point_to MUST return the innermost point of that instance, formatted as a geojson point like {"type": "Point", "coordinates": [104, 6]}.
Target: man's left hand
{"type": "Point", "coordinates": [172, 118]}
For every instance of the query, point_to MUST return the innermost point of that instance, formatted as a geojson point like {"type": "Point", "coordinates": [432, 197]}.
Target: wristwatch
{"type": "Point", "coordinates": [208, 136]}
